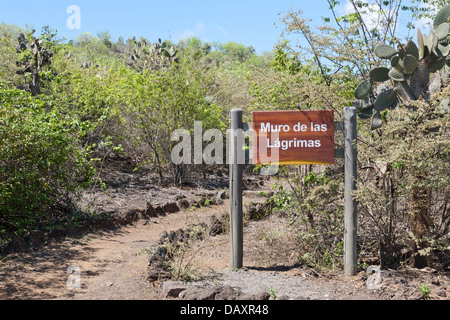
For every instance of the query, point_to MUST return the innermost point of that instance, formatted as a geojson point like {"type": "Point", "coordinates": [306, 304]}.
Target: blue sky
{"type": "Point", "coordinates": [250, 22]}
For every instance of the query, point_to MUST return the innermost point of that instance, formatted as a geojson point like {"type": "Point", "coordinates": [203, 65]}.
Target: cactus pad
{"type": "Point", "coordinates": [411, 49]}
{"type": "Point", "coordinates": [442, 16]}
{"type": "Point", "coordinates": [385, 52]}
{"type": "Point", "coordinates": [380, 74]}
{"type": "Point", "coordinates": [442, 31]}
{"type": "Point", "coordinates": [366, 114]}
{"type": "Point", "coordinates": [410, 64]}
{"type": "Point", "coordinates": [396, 75]}
{"type": "Point", "coordinates": [421, 45]}
{"type": "Point", "coordinates": [385, 99]}
{"type": "Point", "coordinates": [363, 89]}
{"type": "Point", "coordinates": [443, 50]}
{"type": "Point", "coordinates": [394, 61]}
{"type": "Point", "coordinates": [377, 121]}
{"type": "Point", "coordinates": [434, 40]}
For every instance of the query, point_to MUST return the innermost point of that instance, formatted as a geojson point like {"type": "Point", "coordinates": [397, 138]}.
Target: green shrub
{"type": "Point", "coordinates": [40, 162]}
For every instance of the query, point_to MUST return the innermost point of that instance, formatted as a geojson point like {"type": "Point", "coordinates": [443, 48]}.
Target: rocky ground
{"type": "Point", "coordinates": [118, 258]}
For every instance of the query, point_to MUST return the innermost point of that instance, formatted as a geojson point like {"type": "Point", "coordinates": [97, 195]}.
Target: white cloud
{"type": "Point", "coordinates": [370, 14]}
{"type": "Point", "coordinates": [198, 30]}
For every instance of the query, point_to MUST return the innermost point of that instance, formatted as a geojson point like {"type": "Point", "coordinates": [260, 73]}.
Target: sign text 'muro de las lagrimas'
{"type": "Point", "coordinates": [293, 137]}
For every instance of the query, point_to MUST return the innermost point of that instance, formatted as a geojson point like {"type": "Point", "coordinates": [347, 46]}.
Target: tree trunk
{"type": "Point", "coordinates": [420, 224]}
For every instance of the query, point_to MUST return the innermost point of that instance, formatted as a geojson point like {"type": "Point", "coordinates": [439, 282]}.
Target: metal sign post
{"type": "Point", "coordinates": [236, 214]}
{"type": "Point", "coordinates": [317, 142]}
{"type": "Point", "coordinates": [350, 221]}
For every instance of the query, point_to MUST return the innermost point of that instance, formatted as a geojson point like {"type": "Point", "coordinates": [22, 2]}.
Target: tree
{"type": "Point", "coordinates": [35, 54]}
{"type": "Point", "coordinates": [169, 100]}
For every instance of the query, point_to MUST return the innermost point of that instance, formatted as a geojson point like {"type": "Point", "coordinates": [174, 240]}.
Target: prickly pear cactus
{"type": "Point", "coordinates": [154, 56]}
{"type": "Point", "coordinates": [33, 57]}
{"type": "Point", "coordinates": [417, 70]}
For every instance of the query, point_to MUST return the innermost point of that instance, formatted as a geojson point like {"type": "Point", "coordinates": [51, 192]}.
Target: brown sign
{"type": "Point", "coordinates": [293, 137]}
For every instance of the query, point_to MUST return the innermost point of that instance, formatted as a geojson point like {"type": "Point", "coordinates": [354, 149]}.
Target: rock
{"type": "Point", "coordinates": [57, 234]}
{"type": "Point", "coordinates": [161, 252]}
{"type": "Point", "coordinates": [160, 211]}
{"type": "Point", "coordinates": [183, 204]}
{"type": "Point", "coordinates": [150, 211]}
{"type": "Point", "coordinates": [15, 245]}
{"type": "Point", "coordinates": [228, 293]}
{"type": "Point", "coordinates": [171, 207]}
{"type": "Point", "coordinates": [157, 269]}
{"type": "Point", "coordinates": [262, 296]}
{"type": "Point", "coordinates": [222, 194]}
{"type": "Point", "coordinates": [442, 294]}
{"type": "Point", "coordinates": [283, 298]}
{"type": "Point", "coordinates": [36, 237]}
{"type": "Point", "coordinates": [172, 289]}
{"type": "Point", "coordinates": [132, 216]}
{"type": "Point", "coordinates": [177, 236]}
{"type": "Point", "coordinates": [102, 223]}
{"type": "Point", "coordinates": [246, 297]}
{"type": "Point", "coordinates": [200, 294]}
{"type": "Point", "coordinates": [217, 226]}
{"type": "Point", "coordinates": [255, 211]}
{"type": "Point", "coordinates": [75, 232]}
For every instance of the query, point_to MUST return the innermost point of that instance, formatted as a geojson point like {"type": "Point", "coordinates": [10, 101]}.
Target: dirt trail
{"type": "Point", "coordinates": [112, 264]}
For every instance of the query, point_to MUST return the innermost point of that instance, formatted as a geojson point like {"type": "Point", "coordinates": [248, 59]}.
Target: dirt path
{"type": "Point", "coordinates": [112, 264]}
